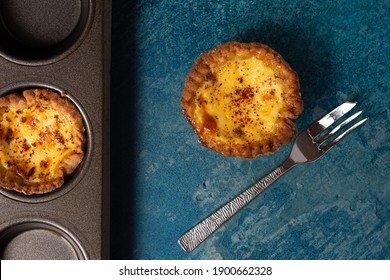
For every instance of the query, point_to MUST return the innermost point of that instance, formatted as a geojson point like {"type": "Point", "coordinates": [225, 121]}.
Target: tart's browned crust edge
{"type": "Point", "coordinates": [202, 71]}
{"type": "Point", "coordinates": [29, 98]}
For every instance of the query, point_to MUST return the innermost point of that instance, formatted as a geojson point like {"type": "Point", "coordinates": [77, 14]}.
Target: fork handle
{"type": "Point", "coordinates": [196, 235]}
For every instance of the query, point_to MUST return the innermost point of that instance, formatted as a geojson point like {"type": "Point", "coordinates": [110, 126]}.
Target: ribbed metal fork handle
{"type": "Point", "coordinates": [196, 235]}
{"type": "Point", "coordinates": [307, 147]}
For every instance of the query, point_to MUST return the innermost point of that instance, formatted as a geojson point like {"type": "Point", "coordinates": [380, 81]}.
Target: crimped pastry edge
{"type": "Point", "coordinates": [209, 60]}
{"type": "Point", "coordinates": [28, 98]}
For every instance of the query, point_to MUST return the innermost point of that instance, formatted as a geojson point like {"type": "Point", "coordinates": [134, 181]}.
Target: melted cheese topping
{"type": "Point", "coordinates": [240, 101]}
{"type": "Point", "coordinates": [34, 141]}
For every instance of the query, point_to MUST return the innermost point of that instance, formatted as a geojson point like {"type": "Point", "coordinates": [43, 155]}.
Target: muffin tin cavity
{"type": "Point", "coordinates": [37, 32]}
{"type": "Point", "coordinates": [36, 240]}
{"type": "Point", "coordinates": [72, 180]}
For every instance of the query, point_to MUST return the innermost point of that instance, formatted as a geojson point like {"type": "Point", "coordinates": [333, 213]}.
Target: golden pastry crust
{"type": "Point", "coordinates": [240, 99]}
{"type": "Point", "coordinates": [41, 140]}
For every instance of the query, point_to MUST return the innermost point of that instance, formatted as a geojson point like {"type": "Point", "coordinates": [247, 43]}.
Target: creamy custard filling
{"type": "Point", "coordinates": [34, 141]}
{"type": "Point", "coordinates": [241, 101]}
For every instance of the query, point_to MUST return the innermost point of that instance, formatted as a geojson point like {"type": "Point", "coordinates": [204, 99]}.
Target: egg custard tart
{"type": "Point", "coordinates": [240, 99]}
{"type": "Point", "coordinates": [41, 140]}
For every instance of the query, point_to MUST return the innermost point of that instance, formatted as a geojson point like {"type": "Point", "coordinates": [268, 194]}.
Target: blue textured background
{"type": "Point", "coordinates": [164, 181]}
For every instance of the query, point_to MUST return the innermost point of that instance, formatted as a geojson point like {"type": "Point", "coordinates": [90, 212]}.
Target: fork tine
{"type": "Point", "coordinates": [337, 128]}
{"type": "Point", "coordinates": [342, 135]}
{"type": "Point", "coordinates": [316, 128]}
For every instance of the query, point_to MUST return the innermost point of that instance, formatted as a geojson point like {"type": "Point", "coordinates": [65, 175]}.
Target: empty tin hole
{"type": "Point", "coordinates": [40, 32]}
{"type": "Point", "coordinates": [39, 241]}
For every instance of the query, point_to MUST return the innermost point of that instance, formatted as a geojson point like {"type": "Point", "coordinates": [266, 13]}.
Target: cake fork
{"type": "Point", "coordinates": [310, 145]}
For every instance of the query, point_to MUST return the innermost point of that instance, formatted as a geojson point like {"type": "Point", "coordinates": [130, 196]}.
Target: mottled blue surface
{"type": "Point", "coordinates": [164, 181]}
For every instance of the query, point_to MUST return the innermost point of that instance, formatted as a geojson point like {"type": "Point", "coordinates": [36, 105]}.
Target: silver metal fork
{"type": "Point", "coordinates": [309, 146]}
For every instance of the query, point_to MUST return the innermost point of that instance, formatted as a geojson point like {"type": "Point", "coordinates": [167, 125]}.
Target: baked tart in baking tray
{"type": "Point", "coordinates": [240, 99]}
{"type": "Point", "coordinates": [41, 140]}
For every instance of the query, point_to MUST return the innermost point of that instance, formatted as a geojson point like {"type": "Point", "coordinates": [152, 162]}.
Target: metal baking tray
{"type": "Point", "coordinates": [63, 45]}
